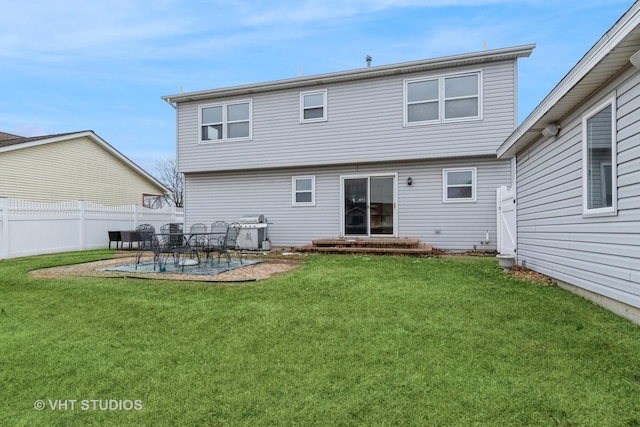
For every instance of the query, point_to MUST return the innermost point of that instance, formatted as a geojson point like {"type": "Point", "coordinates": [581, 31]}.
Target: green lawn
{"type": "Point", "coordinates": [342, 340]}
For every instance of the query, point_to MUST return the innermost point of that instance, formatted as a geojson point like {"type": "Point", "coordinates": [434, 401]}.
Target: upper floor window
{"type": "Point", "coordinates": [304, 190]}
{"type": "Point", "coordinates": [459, 185]}
{"type": "Point", "coordinates": [599, 160]}
{"type": "Point", "coordinates": [313, 106]}
{"type": "Point", "coordinates": [444, 98]}
{"type": "Point", "coordinates": [226, 121]}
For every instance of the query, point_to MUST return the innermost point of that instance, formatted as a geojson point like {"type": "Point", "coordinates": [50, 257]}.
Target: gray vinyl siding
{"type": "Point", "coordinates": [365, 125]}
{"type": "Point", "coordinates": [599, 254]}
{"type": "Point", "coordinates": [421, 210]}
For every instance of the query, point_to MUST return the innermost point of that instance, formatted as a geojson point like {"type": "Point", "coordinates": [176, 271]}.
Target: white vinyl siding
{"type": "Point", "coordinates": [366, 125]}
{"type": "Point", "coordinates": [442, 99]}
{"type": "Point", "coordinates": [227, 121]}
{"type": "Point", "coordinates": [313, 106]}
{"type": "Point", "coordinates": [597, 253]}
{"type": "Point", "coordinates": [459, 185]}
{"type": "Point", "coordinates": [420, 210]}
{"type": "Point", "coordinates": [303, 190]}
{"type": "Point", "coordinates": [599, 160]}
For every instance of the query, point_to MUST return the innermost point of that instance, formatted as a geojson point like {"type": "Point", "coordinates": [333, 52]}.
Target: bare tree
{"type": "Point", "coordinates": [168, 175]}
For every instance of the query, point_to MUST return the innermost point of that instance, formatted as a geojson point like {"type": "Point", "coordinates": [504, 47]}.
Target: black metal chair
{"type": "Point", "coordinates": [171, 242]}
{"type": "Point", "coordinates": [146, 237]}
{"type": "Point", "coordinates": [169, 246]}
{"type": "Point", "coordinates": [216, 239]}
{"type": "Point", "coordinates": [198, 239]}
{"type": "Point", "coordinates": [230, 243]}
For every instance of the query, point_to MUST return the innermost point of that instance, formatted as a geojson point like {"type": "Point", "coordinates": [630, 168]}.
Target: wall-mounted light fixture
{"type": "Point", "coordinates": [409, 181]}
{"type": "Point", "coordinates": [551, 130]}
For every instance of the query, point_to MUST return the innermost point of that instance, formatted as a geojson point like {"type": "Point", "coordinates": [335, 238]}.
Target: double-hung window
{"type": "Point", "coordinates": [228, 121]}
{"type": "Point", "coordinates": [459, 185]}
{"type": "Point", "coordinates": [441, 99]}
{"type": "Point", "coordinates": [599, 170]}
{"type": "Point", "coordinates": [303, 190]}
{"type": "Point", "coordinates": [313, 106]}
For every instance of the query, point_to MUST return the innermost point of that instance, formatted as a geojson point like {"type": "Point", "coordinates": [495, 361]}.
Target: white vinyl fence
{"type": "Point", "coordinates": [506, 213]}
{"type": "Point", "coordinates": [32, 228]}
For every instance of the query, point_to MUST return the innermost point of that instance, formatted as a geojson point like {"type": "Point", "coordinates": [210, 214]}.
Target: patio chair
{"type": "Point", "coordinates": [215, 241]}
{"type": "Point", "coordinates": [230, 243]}
{"type": "Point", "coordinates": [198, 227]}
{"type": "Point", "coordinates": [170, 245]}
{"type": "Point", "coordinates": [174, 229]}
{"type": "Point", "coordinates": [198, 239]}
{"type": "Point", "coordinates": [146, 236]}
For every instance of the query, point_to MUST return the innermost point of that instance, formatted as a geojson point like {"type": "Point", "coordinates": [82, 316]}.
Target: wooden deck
{"type": "Point", "coordinates": [408, 246]}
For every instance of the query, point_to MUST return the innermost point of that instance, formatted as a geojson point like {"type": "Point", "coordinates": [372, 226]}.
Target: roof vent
{"type": "Point", "coordinates": [368, 59]}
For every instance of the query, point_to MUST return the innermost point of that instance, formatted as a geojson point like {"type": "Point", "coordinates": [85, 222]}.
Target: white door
{"type": "Point", "coordinates": [506, 213]}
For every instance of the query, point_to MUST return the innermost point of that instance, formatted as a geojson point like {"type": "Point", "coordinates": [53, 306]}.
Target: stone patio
{"type": "Point", "coordinates": [247, 273]}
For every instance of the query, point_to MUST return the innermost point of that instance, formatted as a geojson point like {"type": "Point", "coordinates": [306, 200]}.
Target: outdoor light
{"type": "Point", "coordinates": [635, 59]}
{"type": "Point", "coordinates": [409, 181]}
{"type": "Point", "coordinates": [551, 130]}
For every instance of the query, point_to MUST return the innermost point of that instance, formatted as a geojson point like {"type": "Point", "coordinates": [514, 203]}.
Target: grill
{"type": "Point", "coordinates": [253, 232]}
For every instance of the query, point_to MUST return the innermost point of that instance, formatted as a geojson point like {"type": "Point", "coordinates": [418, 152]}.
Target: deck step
{"type": "Point", "coordinates": [366, 243]}
{"type": "Point", "coordinates": [408, 246]}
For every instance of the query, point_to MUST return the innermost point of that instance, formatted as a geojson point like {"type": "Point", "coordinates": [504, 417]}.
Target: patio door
{"type": "Point", "coordinates": [369, 206]}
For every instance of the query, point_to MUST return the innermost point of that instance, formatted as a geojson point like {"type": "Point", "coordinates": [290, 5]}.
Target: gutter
{"type": "Point", "coordinates": [605, 45]}
{"type": "Point", "coordinates": [358, 74]}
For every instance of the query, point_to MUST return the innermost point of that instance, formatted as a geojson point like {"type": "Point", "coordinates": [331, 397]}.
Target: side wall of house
{"type": "Point", "coordinates": [365, 124]}
{"type": "Point", "coordinates": [76, 169]}
{"type": "Point", "coordinates": [598, 254]}
{"type": "Point", "coordinates": [421, 211]}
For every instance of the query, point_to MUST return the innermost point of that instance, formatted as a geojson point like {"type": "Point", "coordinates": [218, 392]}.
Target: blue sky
{"type": "Point", "coordinates": [75, 65]}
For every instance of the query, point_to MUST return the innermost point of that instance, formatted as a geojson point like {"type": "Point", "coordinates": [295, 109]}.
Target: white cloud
{"type": "Point", "coordinates": [59, 31]}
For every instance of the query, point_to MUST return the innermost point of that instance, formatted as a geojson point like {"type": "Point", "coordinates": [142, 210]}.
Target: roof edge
{"type": "Point", "coordinates": [359, 74]}
{"type": "Point", "coordinates": [627, 22]}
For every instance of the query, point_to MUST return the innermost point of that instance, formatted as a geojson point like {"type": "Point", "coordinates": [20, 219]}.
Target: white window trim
{"type": "Point", "coordinates": [294, 179]}
{"type": "Point", "coordinates": [441, 99]}
{"type": "Point", "coordinates": [474, 173]}
{"type": "Point", "coordinates": [324, 106]}
{"type": "Point", "coordinates": [224, 123]}
{"type": "Point", "coordinates": [613, 209]}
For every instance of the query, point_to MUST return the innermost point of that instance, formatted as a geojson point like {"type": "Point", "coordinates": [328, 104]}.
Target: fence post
{"type": "Point", "coordinates": [82, 225]}
{"type": "Point", "coordinates": [135, 216]}
{"type": "Point", "coordinates": [4, 244]}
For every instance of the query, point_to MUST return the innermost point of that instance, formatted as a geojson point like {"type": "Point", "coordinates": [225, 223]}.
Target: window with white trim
{"type": "Point", "coordinates": [313, 106]}
{"type": "Point", "coordinates": [303, 190]}
{"type": "Point", "coordinates": [599, 170]}
{"type": "Point", "coordinates": [459, 185]}
{"type": "Point", "coordinates": [227, 121]}
{"type": "Point", "coordinates": [441, 99]}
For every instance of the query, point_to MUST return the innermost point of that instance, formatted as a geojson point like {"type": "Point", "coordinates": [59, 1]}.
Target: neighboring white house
{"type": "Point", "coordinates": [578, 174]}
{"type": "Point", "coordinates": [403, 150]}
{"type": "Point", "coordinates": [72, 166]}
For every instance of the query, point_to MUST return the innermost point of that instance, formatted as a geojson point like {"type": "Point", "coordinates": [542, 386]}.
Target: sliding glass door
{"type": "Point", "coordinates": [369, 206]}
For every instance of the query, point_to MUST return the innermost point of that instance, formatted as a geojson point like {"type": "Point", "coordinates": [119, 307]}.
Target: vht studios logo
{"type": "Point", "coordinates": [88, 405]}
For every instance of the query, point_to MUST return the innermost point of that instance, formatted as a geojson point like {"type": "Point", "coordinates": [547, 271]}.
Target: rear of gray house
{"type": "Point", "coordinates": [578, 175]}
{"type": "Point", "coordinates": [404, 150]}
